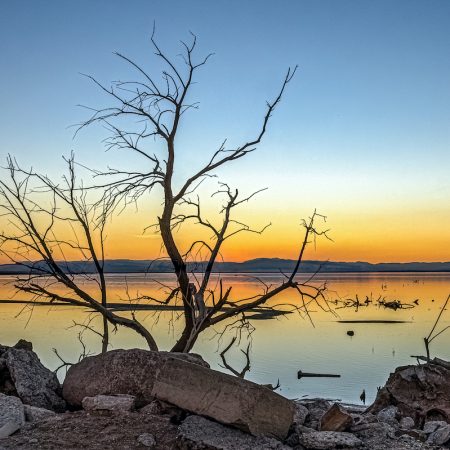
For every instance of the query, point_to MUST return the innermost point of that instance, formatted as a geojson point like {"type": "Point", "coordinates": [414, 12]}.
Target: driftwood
{"type": "Point", "coordinates": [301, 374]}
{"type": "Point", "coordinates": [435, 361]}
{"type": "Point", "coordinates": [374, 321]}
{"type": "Point", "coordinates": [259, 313]}
{"type": "Point", "coordinates": [264, 314]}
{"type": "Point", "coordinates": [395, 304]}
{"type": "Point", "coordinates": [381, 301]}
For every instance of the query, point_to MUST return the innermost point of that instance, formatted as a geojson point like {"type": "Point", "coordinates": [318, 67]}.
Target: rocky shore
{"type": "Point", "coordinates": [140, 399]}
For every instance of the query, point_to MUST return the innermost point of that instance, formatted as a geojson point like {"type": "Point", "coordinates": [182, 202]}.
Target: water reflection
{"type": "Point", "coordinates": [382, 337]}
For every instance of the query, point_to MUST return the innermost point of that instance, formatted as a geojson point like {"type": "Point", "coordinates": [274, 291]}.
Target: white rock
{"type": "Point", "coordinates": [113, 403]}
{"type": "Point", "coordinates": [9, 428]}
{"type": "Point", "coordinates": [11, 410]}
{"type": "Point", "coordinates": [147, 440]}
{"type": "Point", "coordinates": [407, 423]}
{"type": "Point", "coordinates": [322, 440]}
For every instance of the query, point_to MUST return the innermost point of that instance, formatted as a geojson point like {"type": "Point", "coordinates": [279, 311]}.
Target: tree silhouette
{"type": "Point", "coordinates": [141, 112]}
{"type": "Point", "coordinates": [154, 108]}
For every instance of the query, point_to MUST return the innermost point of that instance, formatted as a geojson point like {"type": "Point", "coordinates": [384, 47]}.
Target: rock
{"type": "Point", "coordinates": [296, 431]}
{"type": "Point", "coordinates": [112, 403]}
{"type": "Point", "coordinates": [407, 423]}
{"type": "Point", "coordinates": [421, 392]}
{"type": "Point", "coordinates": [322, 440]}
{"type": "Point", "coordinates": [12, 415]}
{"type": "Point", "coordinates": [158, 408]}
{"type": "Point", "coordinates": [293, 440]}
{"type": "Point", "coordinates": [198, 433]}
{"type": "Point", "coordinates": [353, 409]}
{"type": "Point", "coordinates": [155, 408]}
{"type": "Point", "coordinates": [9, 428]}
{"type": "Point", "coordinates": [316, 408]}
{"type": "Point", "coordinates": [418, 435]}
{"type": "Point", "coordinates": [225, 398]}
{"type": "Point", "coordinates": [335, 419]}
{"type": "Point", "coordinates": [300, 413]}
{"type": "Point", "coordinates": [6, 384]}
{"type": "Point", "coordinates": [35, 414]}
{"type": "Point", "coordinates": [439, 437]}
{"type": "Point", "coordinates": [22, 344]}
{"type": "Point", "coordinates": [147, 440]}
{"type": "Point", "coordinates": [433, 425]}
{"type": "Point", "coordinates": [118, 372]}
{"type": "Point", "coordinates": [380, 436]}
{"type": "Point", "coordinates": [410, 441]}
{"type": "Point", "coordinates": [384, 430]}
{"type": "Point", "coordinates": [362, 420]}
{"type": "Point", "coordinates": [35, 384]}
{"type": "Point", "coordinates": [11, 410]}
{"type": "Point", "coordinates": [301, 429]}
{"type": "Point", "coordinates": [358, 419]}
{"type": "Point", "coordinates": [388, 415]}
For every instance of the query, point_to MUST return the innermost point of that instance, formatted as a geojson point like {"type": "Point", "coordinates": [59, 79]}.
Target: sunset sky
{"type": "Point", "coordinates": [362, 134]}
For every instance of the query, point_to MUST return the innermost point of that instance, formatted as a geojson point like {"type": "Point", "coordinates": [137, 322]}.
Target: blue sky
{"type": "Point", "coordinates": [364, 125]}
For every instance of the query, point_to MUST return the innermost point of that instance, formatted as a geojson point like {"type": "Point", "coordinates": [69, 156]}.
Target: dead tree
{"type": "Point", "coordinates": [150, 109]}
{"type": "Point", "coordinates": [46, 221]}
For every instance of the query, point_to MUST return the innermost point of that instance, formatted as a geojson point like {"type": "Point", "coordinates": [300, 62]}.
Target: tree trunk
{"type": "Point", "coordinates": [105, 338]}
{"type": "Point", "coordinates": [182, 277]}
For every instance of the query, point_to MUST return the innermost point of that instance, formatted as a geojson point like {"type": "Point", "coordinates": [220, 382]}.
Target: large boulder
{"type": "Point", "coordinates": [182, 380]}
{"type": "Point", "coordinates": [225, 398]}
{"type": "Point", "coordinates": [23, 375]}
{"type": "Point", "coordinates": [118, 372]}
{"type": "Point", "coordinates": [420, 392]}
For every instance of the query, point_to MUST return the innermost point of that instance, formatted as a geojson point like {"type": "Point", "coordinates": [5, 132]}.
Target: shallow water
{"type": "Point", "coordinates": [279, 347]}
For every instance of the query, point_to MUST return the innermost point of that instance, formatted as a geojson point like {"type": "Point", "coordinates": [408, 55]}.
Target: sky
{"type": "Point", "coordinates": [362, 133]}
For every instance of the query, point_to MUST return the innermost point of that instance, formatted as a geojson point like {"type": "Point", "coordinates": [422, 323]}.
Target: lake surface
{"type": "Point", "coordinates": [279, 347]}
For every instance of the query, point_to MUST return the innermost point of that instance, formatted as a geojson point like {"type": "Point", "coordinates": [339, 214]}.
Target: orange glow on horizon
{"type": "Point", "coordinates": [388, 236]}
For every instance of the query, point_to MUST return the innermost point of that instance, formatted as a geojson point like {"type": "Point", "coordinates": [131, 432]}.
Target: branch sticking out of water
{"type": "Point", "coordinates": [432, 336]}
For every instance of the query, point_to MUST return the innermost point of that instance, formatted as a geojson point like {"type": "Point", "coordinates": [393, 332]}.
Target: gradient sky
{"type": "Point", "coordinates": [362, 133]}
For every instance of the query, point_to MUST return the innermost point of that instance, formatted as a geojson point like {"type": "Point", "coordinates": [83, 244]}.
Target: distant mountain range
{"type": "Point", "coordinates": [254, 265]}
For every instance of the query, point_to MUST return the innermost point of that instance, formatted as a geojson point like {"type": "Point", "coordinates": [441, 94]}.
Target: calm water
{"type": "Point", "coordinates": [280, 347]}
